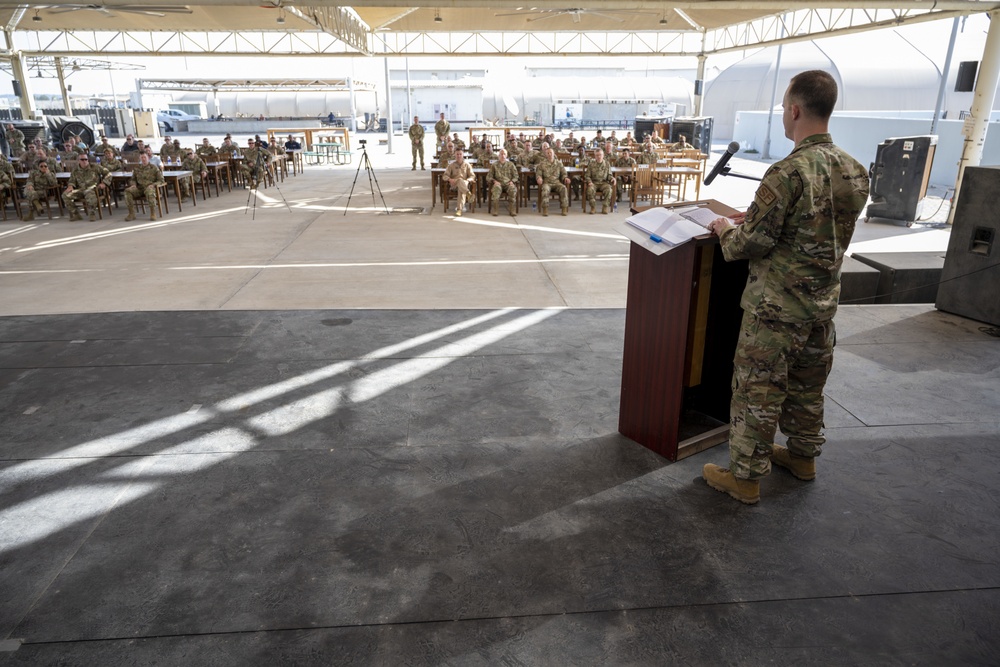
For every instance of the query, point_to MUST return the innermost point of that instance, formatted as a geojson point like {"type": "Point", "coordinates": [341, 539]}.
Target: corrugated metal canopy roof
{"type": "Point", "coordinates": [397, 27]}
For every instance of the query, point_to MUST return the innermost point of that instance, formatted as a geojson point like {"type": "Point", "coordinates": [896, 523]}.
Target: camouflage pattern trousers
{"type": "Point", "coordinates": [604, 189]}
{"type": "Point", "coordinates": [88, 197]}
{"type": "Point", "coordinates": [497, 189]}
{"type": "Point", "coordinates": [779, 373]}
{"type": "Point", "coordinates": [547, 188]}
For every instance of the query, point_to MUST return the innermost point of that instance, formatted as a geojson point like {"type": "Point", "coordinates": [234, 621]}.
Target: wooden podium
{"type": "Point", "coordinates": [682, 321]}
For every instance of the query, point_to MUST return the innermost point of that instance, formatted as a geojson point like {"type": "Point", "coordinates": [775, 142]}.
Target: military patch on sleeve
{"type": "Point", "coordinates": [766, 195]}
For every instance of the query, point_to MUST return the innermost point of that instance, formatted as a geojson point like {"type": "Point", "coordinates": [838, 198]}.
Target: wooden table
{"type": "Point", "coordinates": [176, 175]}
{"type": "Point", "coordinates": [308, 133]}
{"type": "Point", "coordinates": [217, 168]}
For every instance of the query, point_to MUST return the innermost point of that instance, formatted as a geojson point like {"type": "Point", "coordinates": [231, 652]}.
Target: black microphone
{"type": "Point", "coordinates": [721, 164]}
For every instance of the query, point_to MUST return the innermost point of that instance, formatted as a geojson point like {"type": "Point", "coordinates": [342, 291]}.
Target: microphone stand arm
{"type": "Point", "coordinates": [728, 171]}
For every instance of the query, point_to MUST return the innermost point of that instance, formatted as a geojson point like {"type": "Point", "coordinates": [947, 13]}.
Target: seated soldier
{"type": "Point", "coordinates": [255, 160]}
{"type": "Point", "coordinates": [624, 161]}
{"type": "Point", "coordinates": [502, 179]}
{"type": "Point", "coordinates": [41, 180]}
{"type": "Point", "coordinates": [681, 145]}
{"type": "Point", "coordinates": [206, 149]}
{"type": "Point", "coordinates": [86, 183]}
{"type": "Point", "coordinates": [196, 165]}
{"type": "Point", "coordinates": [447, 155]}
{"type": "Point", "coordinates": [599, 181]}
{"type": "Point", "coordinates": [110, 162]}
{"type": "Point", "coordinates": [460, 176]}
{"type": "Point", "coordinates": [146, 180]}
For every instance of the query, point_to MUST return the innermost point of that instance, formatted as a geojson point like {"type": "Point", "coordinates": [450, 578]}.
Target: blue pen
{"type": "Point", "coordinates": [655, 238]}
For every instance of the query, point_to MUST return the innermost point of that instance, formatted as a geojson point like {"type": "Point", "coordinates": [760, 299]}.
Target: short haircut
{"type": "Point", "coordinates": [815, 91]}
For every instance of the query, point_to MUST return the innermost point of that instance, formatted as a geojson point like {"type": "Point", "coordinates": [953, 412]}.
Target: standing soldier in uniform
{"type": "Point", "coordinates": [460, 176]}
{"type": "Point", "coordinates": [441, 130]}
{"type": "Point", "coordinates": [417, 142]}
{"type": "Point", "coordinates": [146, 179]}
{"type": "Point", "coordinates": [794, 234]}
{"type": "Point", "coordinates": [195, 164]}
{"type": "Point", "coordinates": [598, 179]}
{"type": "Point", "coordinates": [40, 181]}
{"type": "Point", "coordinates": [550, 174]}
{"type": "Point", "coordinates": [15, 139]}
{"type": "Point", "coordinates": [86, 181]}
{"type": "Point", "coordinates": [502, 179]}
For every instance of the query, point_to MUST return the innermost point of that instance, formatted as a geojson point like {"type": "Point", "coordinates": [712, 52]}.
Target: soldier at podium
{"type": "Point", "coordinates": [794, 234]}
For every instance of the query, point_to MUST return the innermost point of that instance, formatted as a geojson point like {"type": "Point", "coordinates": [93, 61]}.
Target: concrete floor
{"type": "Point", "coordinates": [392, 439]}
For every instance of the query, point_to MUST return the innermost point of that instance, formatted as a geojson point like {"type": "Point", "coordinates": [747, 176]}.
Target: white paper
{"type": "Point", "coordinates": [702, 216]}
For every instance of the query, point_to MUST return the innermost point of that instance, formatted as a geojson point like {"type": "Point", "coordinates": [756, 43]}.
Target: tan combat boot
{"type": "Point", "coordinates": [496, 208]}
{"type": "Point", "coordinates": [92, 217]}
{"type": "Point", "coordinates": [802, 467]}
{"type": "Point", "coordinates": [510, 208]}
{"type": "Point", "coordinates": [604, 210]}
{"type": "Point", "coordinates": [29, 214]}
{"type": "Point", "coordinates": [721, 479]}
{"type": "Point", "coordinates": [131, 214]}
{"type": "Point", "coordinates": [74, 215]}
{"type": "Point", "coordinates": [565, 210]}
{"type": "Point", "coordinates": [545, 211]}
{"type": "Point", "coordinates": [593, 208]}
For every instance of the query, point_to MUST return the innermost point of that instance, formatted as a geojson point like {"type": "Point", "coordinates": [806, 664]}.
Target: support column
{"type": "Point", "coordinates": [944, 75]}
{"type": "Point", "coordinates": [354, 110]}
{"type": "Point", "coordinates": [977, 124]}
{"type": "Point", "coordinates": [62, 86]}
{"type": "Point", "coordinates": [388, 107]}
{"type": "Point", "coordinates": [699, 82]}
{"type": "Point", "coordinates": [27, 100]}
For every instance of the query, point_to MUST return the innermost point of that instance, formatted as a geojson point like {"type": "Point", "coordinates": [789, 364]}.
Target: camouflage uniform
{"type": "Point", "coordinates": [795, 233]}
{"type": "Point", "coordinates": [112, 164]}
{"type": "Point", "coordinates": [6, 175]}
{"type": "Point", "coordinates": [464, 175]}
{"type": "Point", "coordinates": [446, 158]}
{"type": "Point", "coordinates": [459, 144]}
{"type": "Point", "coordinates": [527, 159]}
{"type": "Point", "coordinates": [15, 139]}
{"type": "Point", "coordinates": [598, 178]}
{"type": "Point", "coordinates": [83, 184]}
{"type": "Point", "coordinates": [553, 174]}
{"type": "Point", "coordinates": [228, 151]}
{"type": "Point", "coordinates": [441, 130]}
{"type": "Point", "coordinates": [417, 143]}
{"type": "Point", "coordinates": [146, 178]}
{"type": "Point", "coordinates": [623, 162]}
{"type": "Point", "coordinates": [648, 155]}
{"type": "Point", "coordinates": [204, 151]}
{"type": "Point", "coordinates": [503, 179]}
{"type": "Point", "coordinates": [193, 164]}
{"type": "Point", "coordinates": [36, 190]}
{"type": "Point", "coordinates": [254, 164]}
{"type": "Point", "coordinates": [681, 146]}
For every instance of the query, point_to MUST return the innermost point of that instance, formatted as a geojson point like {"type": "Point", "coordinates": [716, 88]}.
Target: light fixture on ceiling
{"type": "Point", "coordinates": [437, 16]}
{"type": "Point", "coordinates": [36, 17]}
{"type": "Point", "coordinates": [663, 20]}
{"type": "Point", "coordinates": [76, 67]}
{"type": "Point", "coordinates": [281, 16]}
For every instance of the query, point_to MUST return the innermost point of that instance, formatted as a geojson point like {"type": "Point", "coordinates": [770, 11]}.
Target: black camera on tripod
{"type": "Point", "coordinates": [362, 142]}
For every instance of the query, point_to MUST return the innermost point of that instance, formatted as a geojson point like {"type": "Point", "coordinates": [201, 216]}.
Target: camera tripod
{"type": "Point", "coordinates": [366, 163]}
{"type": "Point", "coordinates": [260, 169]}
